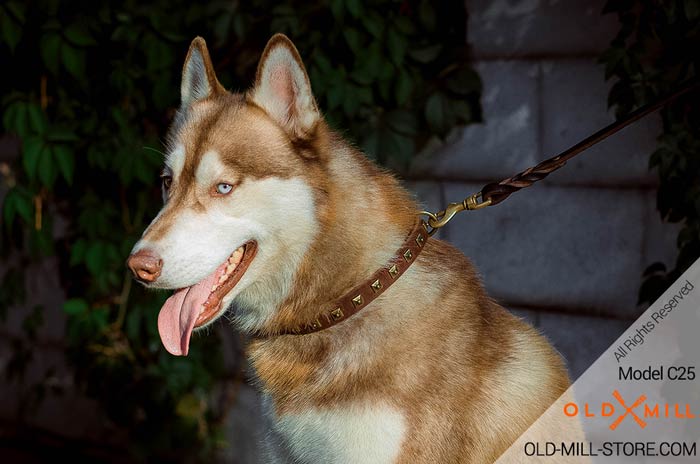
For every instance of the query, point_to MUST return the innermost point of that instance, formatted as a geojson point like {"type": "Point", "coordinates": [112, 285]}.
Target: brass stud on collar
{"type": "Point", "coordinates": [357, 301]}
{"type": "Point", "coordinates": [376, 285]}
{"type": "Point", "coordinates": [393, 271]}
{"type": "Point", "coordinates": [420, 240]}
{"type": "Point", "coordinates": [315, 325]}
{"type": "Point", "coordinates": [407, 255]}
{"type": "Point", "coordinates": [336, 314]}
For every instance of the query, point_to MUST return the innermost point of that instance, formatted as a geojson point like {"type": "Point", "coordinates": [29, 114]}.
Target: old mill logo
{"type": "Point", "coordinates": [639, 411]}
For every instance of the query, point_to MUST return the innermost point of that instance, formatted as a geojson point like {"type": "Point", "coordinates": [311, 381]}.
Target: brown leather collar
{"type": "Point", "coordinates": [363, 294]}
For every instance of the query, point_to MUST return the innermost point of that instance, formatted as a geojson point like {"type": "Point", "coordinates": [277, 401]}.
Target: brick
{"type": "Point", "coordinates": [659, 237]}
{"type": "Point", "coordinates": [506, 142]}
{"type": "Point", "coordinates": [574, 105]}
{"type": "Point", "coordinates": [244, 428]}
{"type": "Point", "coordinates": [528, 315]}
{"type": "Point", "coordinates": [43, 288]}
{"type": "Point", "coordinates": [581, 340]}
{"type": "Point", "coordinates": [429, 196]}
{"type": "Point", "coordinates": [87, 420]}
{"type": "Point", "coordinates": [531, 27]}
{"type": "Point", "coordinates": [576, 248]}
{"type": "Point", "coordinates": [9, 147]}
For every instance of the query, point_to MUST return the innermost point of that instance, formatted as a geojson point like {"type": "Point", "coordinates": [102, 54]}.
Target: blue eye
{"type": "Point", "coordinates": [224, 189]}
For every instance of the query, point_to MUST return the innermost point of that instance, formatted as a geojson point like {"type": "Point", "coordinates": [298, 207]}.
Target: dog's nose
{"type": "Point", "coordinates": [146, 265]}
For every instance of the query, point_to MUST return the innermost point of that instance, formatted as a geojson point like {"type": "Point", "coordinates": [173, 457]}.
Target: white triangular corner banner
{"type": "Point", "coordinates": [639, 402]}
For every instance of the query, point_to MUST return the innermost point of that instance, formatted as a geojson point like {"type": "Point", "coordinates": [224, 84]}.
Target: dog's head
{"type": "Point", "coordinates": [241, 187]}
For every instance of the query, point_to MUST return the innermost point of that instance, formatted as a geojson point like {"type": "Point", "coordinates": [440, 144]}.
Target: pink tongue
{"type": "Point", "coordinates": [180, 312]}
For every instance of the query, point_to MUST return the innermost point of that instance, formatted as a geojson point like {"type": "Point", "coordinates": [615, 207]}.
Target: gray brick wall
{"type": "Point", "coordinates": [567, 255]}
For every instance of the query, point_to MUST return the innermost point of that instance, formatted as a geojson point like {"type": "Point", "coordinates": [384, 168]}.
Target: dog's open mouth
{"type": "Point", "coordinates": [199, 304]}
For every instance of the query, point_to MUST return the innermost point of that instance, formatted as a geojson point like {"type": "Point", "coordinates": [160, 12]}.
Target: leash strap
{"type": "Point", "coordinates": [495, 192]}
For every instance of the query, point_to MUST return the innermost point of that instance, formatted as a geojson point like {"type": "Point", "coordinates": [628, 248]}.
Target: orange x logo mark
{"type": "Point", "coordinates": [628, 410]}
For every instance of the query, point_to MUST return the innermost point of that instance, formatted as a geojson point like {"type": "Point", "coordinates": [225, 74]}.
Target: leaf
{"type": "Point", "coordinates": [95, 258]}
{"type": "Point", "coordinates": [17, 9]}
{"type": "Point", "coordinates": [354, 7]}
{"type": "Point", "coordinates": [353, 39]}
{"type": "Point", "coordinates": [78, 35]}
{"type": "Point", "coordinates": [337, 9]}
{"type": "Point", "coordinates": [16, 202]}
{"type": "Point", "coordinates": [74, 61]}
{"type": "Point", "coordinates": [77, 252]}
{"type": "Point", "coordinates": [66, 162]}
{"type": "Point", "coordinates": [15, 119]}
{"type": "Point", "coordinates": [50, 48]}
{"type": "Point", "coordinates": [47, 169]}
{"type": "Point", "coordinates": [336, 95]}
{"type": "Point", "coordinates": [57, 134]}
{"type": "Point", "coordinates": [404, 88]}
{"type": "Point", "coordinates": [427, 15]}
{"type": "Point", "coordinates": [75, 307]}
{"type": "Point", "coordinates": [426, 54]}
{"type": "Point", "coordinates": [435, 109]}
{"type": "Point", "coordinates": [462, 111]}
{"type": "Point", "coordinates": [464, 81]}
{"type": "Point", "coordinates": [32, 149]}
{"type": "Point", "coordinates": [403, 122]}
{"type": "Point", "coordinates": [397, 46]}
{"type": "Point", "coordinates": [11, 31]}
{"type": "Point", "coordinates": [189, 407]}
{"type": "Point", "coordinates": [396, 146]}
{"type": "Point", "coordinates": [692, 9]}
{"type": "Point", "coordinates": [655, 268]}
{"type": "Point", "coordinates": [37, 118]}
{"type": "Point", "coordinates": [373, 23]}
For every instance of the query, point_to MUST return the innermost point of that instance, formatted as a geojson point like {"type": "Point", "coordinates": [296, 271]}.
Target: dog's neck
{"type": "Point", "coordinates": [363, 217]}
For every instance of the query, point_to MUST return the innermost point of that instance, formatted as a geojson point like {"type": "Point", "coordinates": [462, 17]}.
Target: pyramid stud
{"type": "Point", "coordinates": [420, 240]}
{"type": "Point", "coordinates": [336, 314]}
{"type": "Point", "coordinates": [376, 285]}
{"type": "Point", "coordinates": [407, 255]}
{"type": "Point", "coordinates": [357, 301]}
{"type": "Point", "coordinates": [393, 271]}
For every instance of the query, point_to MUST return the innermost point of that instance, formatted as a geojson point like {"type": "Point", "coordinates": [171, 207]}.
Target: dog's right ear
{"type": "Point", "coordinates": [198, 77]}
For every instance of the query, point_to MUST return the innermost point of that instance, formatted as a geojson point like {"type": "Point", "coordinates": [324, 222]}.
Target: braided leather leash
{"type": "Point", "coordinates": [495, 192]}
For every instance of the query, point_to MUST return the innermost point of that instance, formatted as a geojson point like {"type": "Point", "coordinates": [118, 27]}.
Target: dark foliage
{"type": "Point", "coordinates": [90, 87]}
{"type": "Point", "coordinates": [655, 52]}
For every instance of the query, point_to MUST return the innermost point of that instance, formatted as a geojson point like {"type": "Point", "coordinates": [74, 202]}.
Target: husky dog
{"type": "Point", "coordinates": [270, 214]}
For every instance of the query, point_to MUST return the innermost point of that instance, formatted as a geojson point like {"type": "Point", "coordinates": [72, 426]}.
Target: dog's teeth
{"type": "Point", "coordinates": [237, 255]}
{"type": "Point", "coordinates": [230, 268]}
{"type": "Point", "coordinates": [214, 287]}
{"type": "Point", "coordinates": [222, 279]}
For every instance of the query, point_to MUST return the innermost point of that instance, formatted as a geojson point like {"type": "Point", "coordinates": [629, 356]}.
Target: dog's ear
{"type": "Point", "coordinates": [283, 90]}
{"type": "Point", "coordinates": [198, 76]}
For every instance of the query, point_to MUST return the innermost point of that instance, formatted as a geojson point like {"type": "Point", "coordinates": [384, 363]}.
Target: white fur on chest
{"type": "Point", "coordinates": [349, 435]}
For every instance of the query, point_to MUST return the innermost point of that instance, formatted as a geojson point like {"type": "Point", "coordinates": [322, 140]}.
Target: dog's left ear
{"type": "Point", "coordinates": [283, 90]}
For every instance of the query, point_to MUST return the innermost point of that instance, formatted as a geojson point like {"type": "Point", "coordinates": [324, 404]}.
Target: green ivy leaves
{"type": "Point", "coordinates": [12, 18]}
{"type": "Point", "coordinates": [653, 53]}
{"type": "Point", "coordinates": [47, 152]}
{"type": "Point", "coordinates": [90, 102]}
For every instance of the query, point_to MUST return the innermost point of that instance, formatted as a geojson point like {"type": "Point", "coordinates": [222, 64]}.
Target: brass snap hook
{"type": "Point", "coordinates": [439, 219]}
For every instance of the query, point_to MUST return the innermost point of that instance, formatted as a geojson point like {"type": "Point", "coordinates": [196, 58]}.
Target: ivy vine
{"type": "Point", "coordinates": [88, 91]}
{"type": "Point", "coordinates": [655, 51]}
